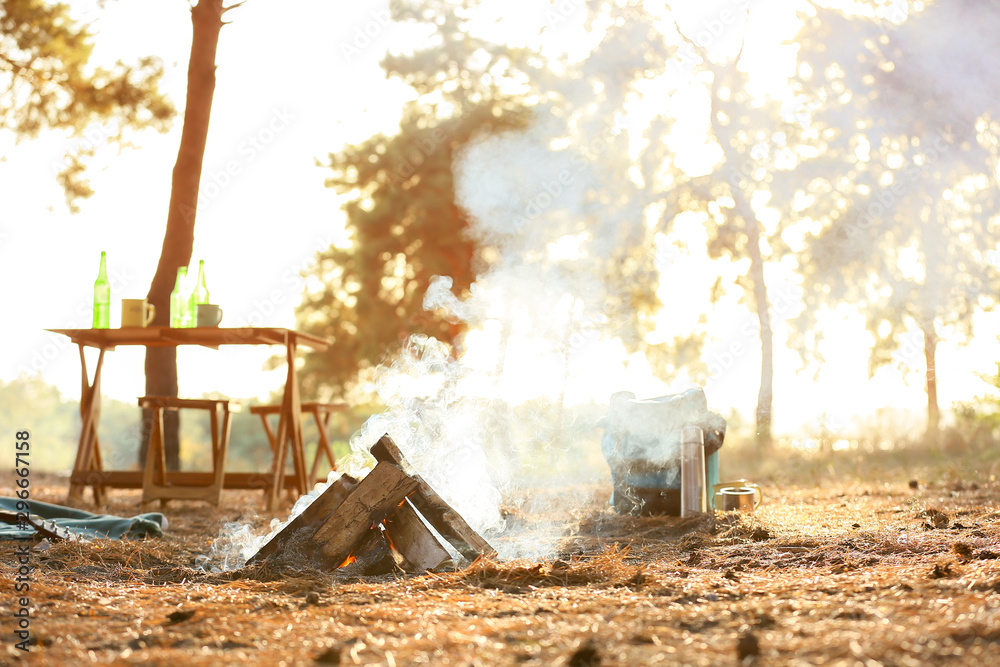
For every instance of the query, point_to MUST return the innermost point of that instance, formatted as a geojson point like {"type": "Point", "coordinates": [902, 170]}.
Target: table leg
{"type": "Point", "coordinates": [289, 436]}
{"type": "Point", "coordinates": [270, 434]}
{"type": "Point", "coordinates": [214, 426]}
{"type": "Point", "coordinates": [274, 488]}
{"type": "Point", "coordinates": [297, 443]}
{"type": "Point", "coordinates": [99, 490]}
{"type": "Point", "coordinates": [322, 417]}
{"type": "Point", "coordinates": [88, 456]}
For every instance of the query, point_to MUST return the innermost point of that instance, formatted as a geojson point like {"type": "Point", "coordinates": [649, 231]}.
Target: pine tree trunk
{"type": "Point", "coordinates": [933, 412]}
{"type": "Point", "coordinates": [161, 362]}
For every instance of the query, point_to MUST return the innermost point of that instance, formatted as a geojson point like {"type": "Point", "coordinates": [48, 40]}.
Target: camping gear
{"type": "Point", "coordinates": [739, 495]}
{"type": "Point", "coordinates": [693, 495]}
{"type": "Point", "coordinates": [46, 518]}
{"type": "Point", "coordinates": [642, 445]}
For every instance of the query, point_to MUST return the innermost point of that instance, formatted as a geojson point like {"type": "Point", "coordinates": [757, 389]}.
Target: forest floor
{"type": "Point", "coordinates": [829, 571]}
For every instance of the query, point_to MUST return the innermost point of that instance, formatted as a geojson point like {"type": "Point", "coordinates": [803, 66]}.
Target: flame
{"type": "Point", "coordinates": [351, 557]}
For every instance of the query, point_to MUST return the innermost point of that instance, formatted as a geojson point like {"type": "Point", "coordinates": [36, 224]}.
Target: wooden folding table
{"type": "Point", "coordinates": [88, 471]}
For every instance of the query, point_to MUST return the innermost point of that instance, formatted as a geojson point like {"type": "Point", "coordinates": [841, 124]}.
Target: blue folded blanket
{"type": "Point", "coordinates": [81, 523]}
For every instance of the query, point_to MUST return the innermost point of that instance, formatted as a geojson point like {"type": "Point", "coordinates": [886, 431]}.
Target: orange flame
{"type": "Point", "coordinates": [347, 561]}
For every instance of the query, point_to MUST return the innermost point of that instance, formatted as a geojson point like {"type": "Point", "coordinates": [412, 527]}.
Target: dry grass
{"type": "Point", "coordinates": [844, 574]}
{"type": "Point", "coordinates": [608, 568]}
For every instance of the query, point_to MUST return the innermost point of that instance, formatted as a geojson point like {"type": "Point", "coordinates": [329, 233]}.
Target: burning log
{"type": "Point", "coordinates": [416, 544]}
{"type": "Point", "coordinates": [368, 527]}
{"type": "Point", "coordinates": [372, 555]}
{"type": "Point", "coordinates": [377, 496]}
{"type": "Point", "coordinates": [304, 526]}
{"type": "Point", "coordinates": [438, 513]}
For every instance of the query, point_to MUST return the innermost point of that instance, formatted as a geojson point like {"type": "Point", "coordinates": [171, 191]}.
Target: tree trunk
{"type": "Point", "coordinates": [766, 391]}
{"type": "Point", "coordinates": [933, 412]}
{"type": "Point", "coordinates": [161, 362]}
{"type": "Point", "coordinates": [764, 395]}
{"type": "Point", "coordinates": [752, 229]}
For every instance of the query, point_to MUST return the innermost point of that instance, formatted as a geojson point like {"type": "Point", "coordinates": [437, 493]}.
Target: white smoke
{"type": "Point", "coordinates": [505, 426]}
{"type": "Point", "coordinates": [238, 541]}
{"type": "Point", "coordinates": [943, 55]}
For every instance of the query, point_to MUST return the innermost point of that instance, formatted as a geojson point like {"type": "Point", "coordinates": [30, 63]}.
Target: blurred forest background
{"type": "Point", "coordinates": [860, 179]}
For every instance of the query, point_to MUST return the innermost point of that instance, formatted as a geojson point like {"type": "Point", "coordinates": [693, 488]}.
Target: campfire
{"type": "Point", "coordinates": [376, 525]}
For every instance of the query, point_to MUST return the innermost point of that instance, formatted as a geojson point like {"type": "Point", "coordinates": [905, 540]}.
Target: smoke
{"type": "Point", "coordinates": [238, 541]}
{"type": "Point", "coordinates": [505, 426]}
{"type": "Point", "coordinates": [942, 58]}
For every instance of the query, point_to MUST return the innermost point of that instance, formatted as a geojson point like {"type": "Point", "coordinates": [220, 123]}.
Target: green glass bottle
{"type": "Point", "coordinates": [102, 296]}
{"type": "Point", "coordinates": [200, 294]}
{"type": "Point", "coordinates": [177, 299]}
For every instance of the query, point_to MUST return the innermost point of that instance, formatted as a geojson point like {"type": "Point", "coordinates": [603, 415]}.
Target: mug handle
{"type": "Point", "coordinates": [218, 320]}
{"type": "Point", "coordinates": [757, 492]}
{"type": "Point", "coordinates": [732, 482]}
{"type": "Point", "coordinates": [150, 314]}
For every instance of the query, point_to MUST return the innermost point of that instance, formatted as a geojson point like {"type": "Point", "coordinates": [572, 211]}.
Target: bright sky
{"type": "Point", "coordinates": [294, 82]}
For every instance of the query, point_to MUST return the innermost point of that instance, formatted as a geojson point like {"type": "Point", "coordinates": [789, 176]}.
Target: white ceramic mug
{"type": "Point", "coordinates": [137, 313]}
{"type": "Point", "coordinates": [208, 315]}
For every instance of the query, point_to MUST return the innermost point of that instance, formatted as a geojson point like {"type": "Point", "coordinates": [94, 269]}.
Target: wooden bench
{"type": "Point", "coordinates": [154, 482]}
{"type": "Point", "coordinates": [321, 412]}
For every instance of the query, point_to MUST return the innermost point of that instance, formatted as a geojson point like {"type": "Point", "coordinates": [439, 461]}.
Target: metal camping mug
{"type": "Point", "coordinates": [739, 495]}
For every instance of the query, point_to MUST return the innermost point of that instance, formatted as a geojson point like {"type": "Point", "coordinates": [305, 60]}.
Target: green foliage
{"type": "Point", "coordinates": [405, 224]}
{"type": "Point", "coordinates": [979, 420]}
{"type": "Point", "coordinates": [54, 423]}
{"type": "Point", "coordinates": [28, 403]}
{"type": "Point", "coordinates": [47, 82]}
